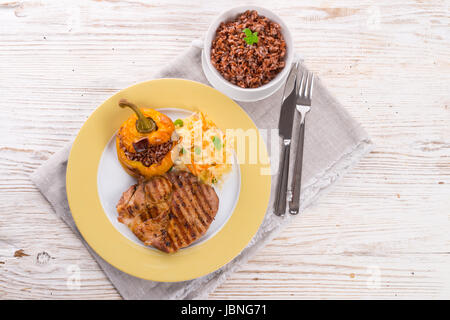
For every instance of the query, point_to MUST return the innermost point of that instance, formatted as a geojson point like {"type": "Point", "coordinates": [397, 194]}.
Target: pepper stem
{"type": "Point", "coordinates": [143, 124]}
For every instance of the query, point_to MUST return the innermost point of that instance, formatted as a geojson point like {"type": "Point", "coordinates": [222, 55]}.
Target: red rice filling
{"type": "Point", "coordinates": [151, 154]}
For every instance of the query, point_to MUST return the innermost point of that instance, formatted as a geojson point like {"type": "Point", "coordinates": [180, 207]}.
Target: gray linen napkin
{"type": "Point", "coordinates": [334, 142]}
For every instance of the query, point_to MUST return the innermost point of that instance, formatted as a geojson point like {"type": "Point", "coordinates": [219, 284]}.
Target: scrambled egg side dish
{"type": "Point", "coordinates": [202, 149]}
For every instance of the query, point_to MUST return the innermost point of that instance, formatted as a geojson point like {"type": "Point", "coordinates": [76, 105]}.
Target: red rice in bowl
{"type": "Point", "coordinates": [244, 65]}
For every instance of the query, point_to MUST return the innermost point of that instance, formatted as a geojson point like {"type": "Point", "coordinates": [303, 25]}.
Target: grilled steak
{"type": "Point", "coordinates": [169, 212]}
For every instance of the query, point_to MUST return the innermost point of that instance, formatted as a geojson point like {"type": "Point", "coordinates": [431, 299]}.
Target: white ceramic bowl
{"type": "Point", "coordinates": [226, 87]}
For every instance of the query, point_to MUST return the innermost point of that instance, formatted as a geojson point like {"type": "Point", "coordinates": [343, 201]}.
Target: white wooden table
{"type": "Point", "coordinates": [381, 232]}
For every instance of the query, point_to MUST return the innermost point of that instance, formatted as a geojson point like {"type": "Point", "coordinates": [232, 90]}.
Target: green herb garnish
{"type": "Point", "coordinates": [178, 123]}
{"type": "Point", "coordinates": [217, 142]}
{"type": "Point", "coordinates": [251, 37]}
{"type": "Point", "coordinates": [197, 150]}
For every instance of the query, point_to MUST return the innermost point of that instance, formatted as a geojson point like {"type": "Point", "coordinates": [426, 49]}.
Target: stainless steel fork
{"type": "Point", "coordinates": [304, 98]}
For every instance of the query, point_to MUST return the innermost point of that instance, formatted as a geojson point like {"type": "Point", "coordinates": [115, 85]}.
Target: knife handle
{"type": "Point", "coordinates": [280, 200]}
{"type": "Point", "coordinates": [294, 203]}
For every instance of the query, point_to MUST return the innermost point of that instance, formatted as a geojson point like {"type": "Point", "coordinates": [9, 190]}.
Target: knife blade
{"type": "Point", "coordinates": [285, 124]}
{"type": "Point", "coordinates": [286, 119]}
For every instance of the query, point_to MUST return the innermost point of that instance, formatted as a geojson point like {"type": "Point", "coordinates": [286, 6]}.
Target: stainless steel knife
{"type": "Point", "coordinates": [285, 130]}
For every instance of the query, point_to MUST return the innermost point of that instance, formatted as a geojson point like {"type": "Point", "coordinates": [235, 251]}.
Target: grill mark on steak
{"type": "Point", "coordinates": [168, 212]}
{"type": "Point", "coordinates": [170, 233]}
{"type": "Point", "coordinates": [158, 189]}
{"type": "Point", "coordinates": [152, 190]}
{"type": "Point", "coordinates": [200, 206]}
{"type": "Point", "coordinates": [192, 203]}
{"type": "Point", "coordinates": [200, 202]}
{"type": "Point", "coordinates": [184, 227]}
{"type": "Point", "coordinates": [178, 200]}
{"type": "Point", "coordinates": [183, 209]}
{"type": "Point", "coordinates": [177, 223]}
{"type": "Point", "coordinates": [204, 202]}
{"type": "Point", "coordinates": [180, 235]}
{"type": "Point", "coordinates": [185, 223]}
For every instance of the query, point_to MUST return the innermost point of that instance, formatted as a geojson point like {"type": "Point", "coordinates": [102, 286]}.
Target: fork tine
{"type": "Point", "coordinates": [303, 84]}
{"type": "Point", "coordinates": [305, 91]}
{"type": "Point", "coordinates": [300, 83]}
{"type": "Point", "coordinates": [311, 85]}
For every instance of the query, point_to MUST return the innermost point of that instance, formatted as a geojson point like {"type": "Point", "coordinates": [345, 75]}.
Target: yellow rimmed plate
{"type": "Point", "coordinates": [93, 184]}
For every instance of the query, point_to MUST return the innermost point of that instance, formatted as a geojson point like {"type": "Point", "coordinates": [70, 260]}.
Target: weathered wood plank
{"type": "Point", "coordinates": [388, 63]}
